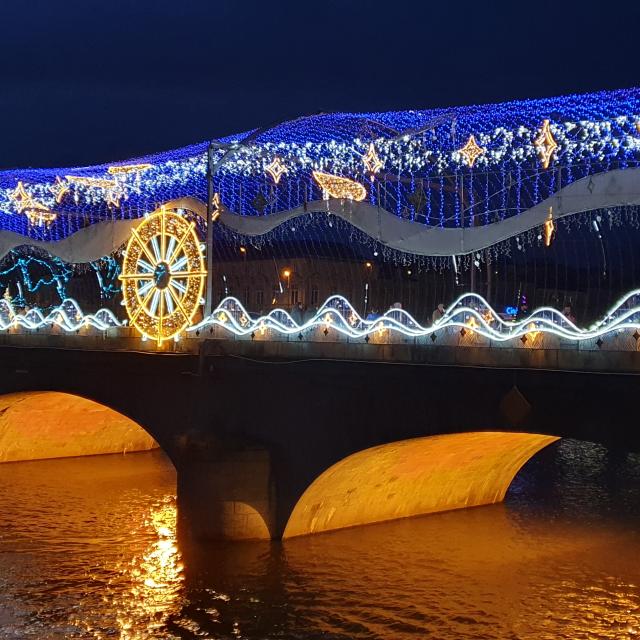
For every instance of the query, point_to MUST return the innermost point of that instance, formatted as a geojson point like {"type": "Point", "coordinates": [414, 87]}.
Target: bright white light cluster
{"type": "Point", "coordinates": [167, 175]}
{"type": "Point", "coordinates": [68, 316]}
{"type": "Point", "coordinates": [412, 153]}
{"type": "Point", "coordinates": [470, 312]}
{"type": "Point", "coordinates": [598, 140]}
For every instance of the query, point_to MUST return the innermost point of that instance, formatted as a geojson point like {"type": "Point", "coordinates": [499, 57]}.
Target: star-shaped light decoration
{"type": "Point", "coordinates": [471, 151]}
{"type": "Point", "coordinates": [276, 169]}
{"type": "Point", "coordinates": [216, 207]}
{"type": "Point", "coordinates": [37, 213]}
{"type": "Point", "coordinates": [545, 144]}
{"type": "Point", "coordinates": [59, 189]}
{"type": "Point", "coordinates": [549, 228]}
{"type": "Point", "coordinates": [372, 161]}
{"type": "Point", "coordinates": [638, 126]}
{"type": "Point", "coordinates": [21, 198]}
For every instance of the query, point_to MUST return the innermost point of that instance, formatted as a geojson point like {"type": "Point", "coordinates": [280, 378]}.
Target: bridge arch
{"type": "Point", "coordinates": [36, 425]}
{"type": "Point", "coordinates": [414, 477]}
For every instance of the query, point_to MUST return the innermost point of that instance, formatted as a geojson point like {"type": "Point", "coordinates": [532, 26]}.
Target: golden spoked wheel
{"type": "Point", "coordinates": [163, 275]}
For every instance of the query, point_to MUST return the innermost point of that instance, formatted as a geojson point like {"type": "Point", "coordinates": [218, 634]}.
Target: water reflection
{"type": "Point", "coordinates": [88, 550]}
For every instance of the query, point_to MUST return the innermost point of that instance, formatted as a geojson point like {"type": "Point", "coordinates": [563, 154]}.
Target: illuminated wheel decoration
{"type": "Point", "coordinates": [163, 275]}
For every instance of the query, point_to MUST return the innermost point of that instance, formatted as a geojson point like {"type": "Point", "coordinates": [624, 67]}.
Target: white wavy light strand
{"type": "Point", "coordinates": [470, 312]}
{"type": "Point", "coordinates": [68, 316]}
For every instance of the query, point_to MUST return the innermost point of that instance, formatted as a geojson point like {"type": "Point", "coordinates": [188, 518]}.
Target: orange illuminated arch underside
{"type": "Point", "coordinates": [36, 425]}
{"type": "Point", "coordinates": [414, 477]}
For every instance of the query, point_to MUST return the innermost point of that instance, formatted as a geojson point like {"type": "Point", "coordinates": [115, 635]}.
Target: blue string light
{"type": "Point", "coordinates": [594, 132]}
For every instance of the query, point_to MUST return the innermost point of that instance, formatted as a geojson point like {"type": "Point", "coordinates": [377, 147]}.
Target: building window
{"type": "Point", "coordinates": [246, 296]}
{"type": "Point", "coordinates": [293, 295]}
{"type": "Point", "coordinates": [315, 296]}
{"type": "Point", "coordinates": [259, 298]}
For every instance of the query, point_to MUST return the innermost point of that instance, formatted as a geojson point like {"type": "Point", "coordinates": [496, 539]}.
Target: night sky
{"type": "Point", "coordinates": [87, 81]}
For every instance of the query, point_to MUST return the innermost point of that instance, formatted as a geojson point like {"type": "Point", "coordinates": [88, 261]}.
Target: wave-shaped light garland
{"type": "Point", "coordinates": [470, 312]}
{"type": "Point", "coordinates": [67, 315]}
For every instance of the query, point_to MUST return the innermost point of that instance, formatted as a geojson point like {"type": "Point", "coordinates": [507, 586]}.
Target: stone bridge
{"type": "Point", "coordinates": [267, 445]}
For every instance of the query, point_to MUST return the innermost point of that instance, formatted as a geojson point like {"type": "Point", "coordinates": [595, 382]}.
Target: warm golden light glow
{"type": "Point", "coordinates": [59, 189]}
{"type": "Point", "coordinates": [532, 334]}
{"type": "Point", "coordinates": [113, 190]}
{"type": "Point", "coordinates": [471, 151]}
{"type": "Point", "coordinates": [163, 275]}
{"type": "Point", "coordinates": [243, 250]}
{"type": "Point", "coordinates": [129, 168]}
{"type": "Point", "coordinates": [276, 169]}
{"type": "Point", "coordinates": [472, 324]}
{"type": "Point", "coordinates": [47, 424]}
{"type": "Point", "coordinates": [156, 576]}
{"type": "Point", "coordinates": [545, 144]}
{"type": "Point", "coordinates": [87, 181]}
{"type": "Point", "coordinates": [413, 477]}
{"type": "Point", "coordinates": [21, 198]}
{"type": "Point", "coordinates": [37, 213]}
{"type": "Point", "coordinates": [216, 207]}
{"type": "Point", "coordinates": [40, 216]}
{"type": "Point", "coordinates": [338, 187]}
{"type": "Point", "coordinates": [549, 228]}
{"type": "Point", "coordinates": [371, 160]}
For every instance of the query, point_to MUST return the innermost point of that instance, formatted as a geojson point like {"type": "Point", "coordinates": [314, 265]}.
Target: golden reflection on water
{"type": "Point", "coordinates": [88, 549]}
{"type": "Point", "coordinates": [480, 573]}
{"type": "Point", "coordinates": [156, 579]}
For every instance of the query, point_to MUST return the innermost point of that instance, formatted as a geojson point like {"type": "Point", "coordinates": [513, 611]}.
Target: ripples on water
{"type": "Point", "coordinates": [88, 550]}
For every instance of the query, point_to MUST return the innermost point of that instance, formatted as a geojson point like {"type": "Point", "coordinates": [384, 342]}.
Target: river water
{"type": "Point", "coordinates": [88, 550]}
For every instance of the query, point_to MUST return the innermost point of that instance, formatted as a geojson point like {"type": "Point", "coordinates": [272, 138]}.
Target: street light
{"type": "Point", "coordinates": [287, 274]}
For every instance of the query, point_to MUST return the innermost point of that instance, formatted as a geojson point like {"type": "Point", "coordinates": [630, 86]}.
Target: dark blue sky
{"type": "Point", "coordinates": [85, 81]}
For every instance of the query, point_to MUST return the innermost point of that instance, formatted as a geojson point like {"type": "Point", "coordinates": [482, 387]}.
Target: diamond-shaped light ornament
{"type": "Point", "coordinates": [372, 161]}
{"type": "Point", "coordinates": [21, 198]}
{"type": "Point", "coordinates": [471, 151]}
{"type": "Point", "coordinates": [276, 169]}
{"type": "Point", "coordinates": [545, 144]}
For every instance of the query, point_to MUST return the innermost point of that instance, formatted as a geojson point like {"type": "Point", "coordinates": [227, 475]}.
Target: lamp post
{"type": "Point", "coordinates": [208, 297]}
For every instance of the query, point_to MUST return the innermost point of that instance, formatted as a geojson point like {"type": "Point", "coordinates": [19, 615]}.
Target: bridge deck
{"type": "Point", "coordinates": [618, 354]}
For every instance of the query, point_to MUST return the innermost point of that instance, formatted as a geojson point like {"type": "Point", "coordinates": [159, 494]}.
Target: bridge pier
{"type": "Point", "coordinates": [227, 496]}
